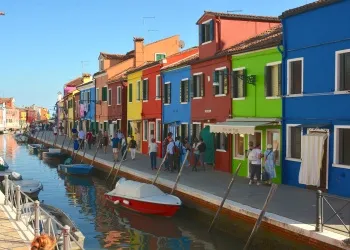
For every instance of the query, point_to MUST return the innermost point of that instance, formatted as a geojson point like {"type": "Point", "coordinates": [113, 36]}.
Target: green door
{"type": "Point", "coordinates": [209, 142]}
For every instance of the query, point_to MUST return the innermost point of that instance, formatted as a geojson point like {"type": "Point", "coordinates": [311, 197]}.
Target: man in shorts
{"type": "Point", "coordinates": [115, 147]}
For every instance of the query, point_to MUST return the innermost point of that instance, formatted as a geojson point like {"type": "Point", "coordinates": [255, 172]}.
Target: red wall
{"type": "Point", "coordinates": [115, 111]}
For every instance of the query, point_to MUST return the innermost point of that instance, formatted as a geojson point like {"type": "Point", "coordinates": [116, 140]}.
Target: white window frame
{"type": "Point", "coordinates": [184, 123]}
{"type": "Point", "coordinates": [197, 74]}
{"type": "Point", "coordinates": [184, 79]}
{"type": "Point", "coordinates": [234, 148]}
{"type": "Point", "coordinates": [158, 130]}
{"type": "Point", "coordinates": [119, 95]}
{"type": "Point", "coordinates": [109, 97]}
{"type": "Point", "coordinates": [288, 76]}
{"type": "Point", "coordinates": [337, 76]}
{"type": "Point", "coordinates": [288, 140]}
{"type": "Point", "coordinates": [159, 53]}
{"type": "Point", "coordinates": [220, 69]}
{"type": "Point", "coordinates": [146, 79]}
{"type": "Point", "coordinates": [97, 94]}
{"type": "Point", "coordinates": [158, 87]}
{"type": "Point", "coordinates": [169, 83]}
{"type": "Point", "coordinates": [207, 42]}
{"type": "Point", "coordinates": [269, 65]}
{"type": "Point", "coordinates": [238, 69]}
{"type": "Point", "coordinates": [335, 146]}
{"type": "Point", "coordinates": [145, 130]}
{"type": "Point", "coordinates": [280, 144]}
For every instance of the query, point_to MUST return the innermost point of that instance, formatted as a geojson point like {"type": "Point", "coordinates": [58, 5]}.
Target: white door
{"type": "Point", "coordinates": [151, 131]}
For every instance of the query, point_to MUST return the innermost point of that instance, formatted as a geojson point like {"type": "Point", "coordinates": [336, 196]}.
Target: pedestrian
{"type": "Point", "coordinates": [105, 141]}
{"type": "Point", "coordinates": [132, 146]}
{"type": "Point", "coordinates": [255, 158]}
{"type": "Point", "coordinates": [124, 148]}
{"type": "Point", "coordinates": [81, 136]}
{"type": "Point", "coordinates": [89, 138]}
{"type": "Point", "coordinates": [177, 153]}
{"type": "Point", "coordinates": [43, 242]}
{"type": "Point", "coordinates": [100, 139]}
{"type": "Point", "coordinates": [152, 150]}
{"type": "Point", "coordinates": [251, 147]}
{"type": "Point", "coordinates": [165, 146]}
{"type": "Point", "coordinates": [201, 148]}
{"type": "Point", "coordinates": [170, 157]}
{"type": "Point", "coordinates": [55, 130]}
{"type": "Point", "coordinates": [270, 164]}
{"type": "Point", "coordinates": [196, 154]}
{"type": "Point", "coordinates": [115, 147]}
{"type": "Point", "coordinates": [187, 147]}
{"type": "Point", "coordinates": [119, 134]}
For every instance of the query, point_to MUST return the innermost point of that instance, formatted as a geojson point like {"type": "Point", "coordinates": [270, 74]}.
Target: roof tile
{"type": "Point", "coordinates": [240, 17]}
{"type": "Point", "coordinates": [181, 62]}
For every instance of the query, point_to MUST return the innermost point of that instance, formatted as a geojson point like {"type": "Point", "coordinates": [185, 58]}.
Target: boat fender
{"type": "Point", "coordinates": [116, 202]}
{"type": "Point", "coordinates": [126, 202]}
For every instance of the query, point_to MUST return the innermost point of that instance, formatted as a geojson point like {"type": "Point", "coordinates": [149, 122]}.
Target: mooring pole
{"type": "Point", "coordinates": [261, 216]}
{"type": "Point", "coordinates": [82, 158]}
{"type": "Point", "coordinates": [319, 211]}
{"type": "Point", "coordinates": [120, 165]}
{"type": "Point", "coordinates": [225, 197]}
{"type": "Point", "coordinates": [114, 164]}
{"type": "Point", "coordinates": [64, 139]}
{"type": "Point", "coordinates": [54, 143]}
{"type": "Point", "coordinates": [70, 141]}
{"type": "Point", "coordinates": [158, 171]}
{"type": "Point", "coordinates": [77, 150]}
{"type": "Point", "coordinates": [97, 149]}
{"type": "Point", "coordinates": [179, 175]}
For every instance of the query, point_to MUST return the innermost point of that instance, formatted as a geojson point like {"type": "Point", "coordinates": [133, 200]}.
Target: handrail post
{"type": "Point", "coordinates": [37, 217]}
{"type": "Point", "coordinates": [18, 203]}
{"type": "Point", "coordinates": [319, 211]}
{"type": "Point", "coordinates": [6, 190]}
{"type": "Point", "coordinates": [66, 238]}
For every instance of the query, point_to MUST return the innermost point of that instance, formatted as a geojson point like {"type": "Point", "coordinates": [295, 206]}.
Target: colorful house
{"type": "Point", "coordinates": [87, 105]}
{"type": "Point", "coordinates": [211, 102]}
{"type": "Point", "coordinates": [316, 90]}
{"type": "Point", "coordinates": [256, 103]}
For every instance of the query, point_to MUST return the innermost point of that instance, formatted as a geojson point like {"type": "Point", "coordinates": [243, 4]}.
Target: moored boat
{"type": "Point", "coordinates": [3, 164]}
{"type": "Point", "coordinates": [76, 169]}
{"type": "Point", "coordinates": [34, 148]}
{"type": "Point", "coordinates": [143, 198]}
{"type": "Point", "coordinates": [31, 188]}
{"type": "Point", "coordinates": [5, 172]}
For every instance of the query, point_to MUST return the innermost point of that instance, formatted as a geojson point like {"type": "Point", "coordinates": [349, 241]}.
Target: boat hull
{"type": "Point", "coordinates": [144, 207]}
{"type": "Point", "coordinates": [75, 169]}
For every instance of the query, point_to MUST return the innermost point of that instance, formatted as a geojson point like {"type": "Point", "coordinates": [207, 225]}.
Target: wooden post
{"type": "Point", "coordinates": [225, 197]}
{"type": "Point", "coordinates": [261, 216]}
{"type": "Point", "coordinates": [54, 143]}
{"type": "Point", "coordinates": [120, 164]}
{"type": "Point", "coordinates": [158, 171]}
{"type": "Point", "coordinates": [70, 141]}
{"type": "Point", "coordinates": [64, 139]}
{"type": "Point", "coordinates": [82, 158]}
{"type": "Point", "coordinates": [179, 175]}
{"type": "Point", "coordinates": [115, 162]}
{"type": "Point", "coordinates": [98, 147]}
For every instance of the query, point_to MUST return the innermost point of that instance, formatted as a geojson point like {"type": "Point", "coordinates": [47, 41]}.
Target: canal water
{"type": "Point", "coordinates": [108, 227]}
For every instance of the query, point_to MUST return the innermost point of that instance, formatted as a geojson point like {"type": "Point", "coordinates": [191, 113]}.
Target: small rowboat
{"type": "Point", "coordinates": [76, 169]}
{"type": "Point", "coordinates": [143, 198]}
{"type": "Point", "coordinates": [34, 148]}
{"type": "Point", "coordinates": [31, 188]}
{"type": "Point", "coordinates": [3, 165]}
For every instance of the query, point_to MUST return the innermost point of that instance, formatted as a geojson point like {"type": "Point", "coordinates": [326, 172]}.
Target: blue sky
{"type": "Point", "coordinates": [43, 43]}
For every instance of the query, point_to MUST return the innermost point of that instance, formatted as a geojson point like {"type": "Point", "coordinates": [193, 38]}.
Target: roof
{"type": "Point", "coordinates": [2, 100]}
{"type": "Point", "coordinates": [119, 76]}
{"type": "Point", "coordinates": [181, 62]}
{"type": "Point", "coordinates": [99, 72]}
{"type": "Point", "coordinates": [116, 56]}
{"type": "Point", "coordinates": [143, 66]}
{"type": "Point", "coordinates": [267, 39]}
{"type": "Point", "coordinates": [73, 83]}
{"type": "Point", "coordinates": [307, 7]}
{"type": "Point", "coordinates": [239, 17]}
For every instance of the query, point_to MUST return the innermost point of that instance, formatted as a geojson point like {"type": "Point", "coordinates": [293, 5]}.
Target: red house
{"type": "Point", "coordinates": [211, 100]}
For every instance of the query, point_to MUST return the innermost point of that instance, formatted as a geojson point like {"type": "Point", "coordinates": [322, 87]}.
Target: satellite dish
{"type": "Point", "coordinates": [181, 44]}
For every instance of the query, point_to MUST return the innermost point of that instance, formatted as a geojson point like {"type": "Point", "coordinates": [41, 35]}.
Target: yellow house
{"type": "Point", "coordinates": [134, 108]}
{"type": "Point", "coordinates": [23, 120]}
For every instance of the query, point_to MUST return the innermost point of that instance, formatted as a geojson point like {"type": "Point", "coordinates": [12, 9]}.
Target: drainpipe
{"type": "Point", "coordinates": [218, 29]}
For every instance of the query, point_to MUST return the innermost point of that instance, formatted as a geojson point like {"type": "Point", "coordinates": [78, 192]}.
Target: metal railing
{"type": "Point", "coordinates": [321, 222]}
{"type": "Point", "coordinates": [36, 219]}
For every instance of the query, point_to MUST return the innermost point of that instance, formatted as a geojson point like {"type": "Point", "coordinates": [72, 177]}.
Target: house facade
{"type": "Point", "coordinates": [211, 99]}
{"type": "Point", "coordinates": [87, 102]}
{"type": "Point", "coordinates": [316, 90]}
{"type": "Point", "coordinates": [2, 117]}
{"type": "Point", "coordinates": [10, 116]}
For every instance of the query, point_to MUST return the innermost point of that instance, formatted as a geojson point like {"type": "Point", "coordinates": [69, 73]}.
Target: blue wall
{"type": "Point", "coordinates": [316, 36]}
{"type": "Point", "coordinates": [176, 111]}
{"type": "Point", "coordinates": [91, 113]}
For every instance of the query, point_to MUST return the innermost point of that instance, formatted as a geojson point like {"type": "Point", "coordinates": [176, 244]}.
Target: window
{"type": "Point", "coordinates": [343, 70]}
{"type": "Point", "coordinates": [145, 90]}
{"type": "Point", "coordinates": [88, 96]}
{"type": "Point", "coordinates": [295, 77]}
{"type": "Point", "coordinates": [196, 129]}
{"type": "Point", "coordinates": [238, 83]}
{"type": "Point", "coordinates": [273, 138]}
{"type": "Point", "coordinates": [206, 32]}
{"type": "Point", "coordinates": [294, 142]}
{"type": "Point", "coordinates": [184, 131]}
{"type": "Point", "coordinates": [70, 104]}
{"type": "Point", "coordinates": [101, 64]}
{"type": "Point", "coordinates": [138, 90]}
{"type": "Point", "coordinates": [97, 94]}
{"type": "Point", "coordinates": [129, 128]}
{"type": "Point", "coordinates": [104, 94]}
{"type": "Point", "coordinates": [158, 130]}
{"type": "Point", "coordinates": [220, 82]}
{"type": "Point", "coordinates": [273, 79]}
{"type": "Point", "coordinates": [221, 141]}
{"type": "Point", "coordinates": [159, 56]}
{"type": "Point", "coordinates": [158, 87]}
{"type": "Point", "coordinates": [145, 130]}
{"type": "Point", "coordinates": [167, 93]}
{"type": "Point", "coordinates": [119, 95]}
{"type": "Point", "coordinates": [238, 146]}
{"type": "Point", "coordinates": [342, 145]}
{"type": "Point", "coordinates": [109, 97]}
{"type": "Point", "coordinates": [130, 92]}
{"type": "Point", "coordinates": [198, 85]}
{"type": "Point", "coordinates": [184, 91]}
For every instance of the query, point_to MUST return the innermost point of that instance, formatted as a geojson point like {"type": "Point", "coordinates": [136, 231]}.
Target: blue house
{"type": "Point", "coordinates": [316, 96]}
{"type": "Point", "coordinates": [87, 106]}
{"type": "Point", "coordinates": [176, 109]}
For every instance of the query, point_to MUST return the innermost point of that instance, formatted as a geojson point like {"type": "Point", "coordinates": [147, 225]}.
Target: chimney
{"type": "Point", "coordinates": [138, 47]}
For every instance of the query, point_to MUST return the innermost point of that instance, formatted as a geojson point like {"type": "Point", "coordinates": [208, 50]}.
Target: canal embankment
{"type": "Point", "coordinates": [291, 213]}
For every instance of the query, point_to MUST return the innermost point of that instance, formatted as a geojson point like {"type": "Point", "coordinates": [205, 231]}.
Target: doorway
{"type": "Point", "coordinates": [257, 140]}
{"type": "Point", "coordinates": [138, 135]}
{"type": "Point", "coordinates": [151, 131]}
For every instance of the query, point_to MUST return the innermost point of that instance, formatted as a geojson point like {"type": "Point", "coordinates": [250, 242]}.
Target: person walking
{"type": "Point", "coordinates": [196, 154]}
{"type": "Point", "coordinates": [164, 147]}
{"type": "Point", "coordinates": [170, 157]}
{"type": "Point", "coordinates": [115, 147]}
{"type": "Point", "coordinates": [100, 139]}
{"type": "Point", "coordinates": [152, 150]}
{"type": "Point", "coordinates": [89, 138]}
{"type": "Point", "coordinates": [187, 147]}
{"type": "Point", "coordinates": [105, 141]}
{"type": "Point", "coordinates": [201, 148]}
{"type": "Point", "coordinates": [177, 153]}
{"type": "Point", "coordinates": [132, 146]}
{"type": "Point", "coordinates": [81, 136]}
{"type": "Point", "coordinates": [270, 161]}
{"type": "Point", "coordinates": [123, 148]}
{"type": "Point", "coordinates": [255, 157]}
{"type": "Point", "coordinates": [55, 130]}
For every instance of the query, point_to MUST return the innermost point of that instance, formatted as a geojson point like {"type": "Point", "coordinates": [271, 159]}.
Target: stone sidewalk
{"type": "Point", "coordinates": [290, 204]}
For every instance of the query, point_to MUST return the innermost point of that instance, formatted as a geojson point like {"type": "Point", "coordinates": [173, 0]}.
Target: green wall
{"type": "Point", "coordinates": [255, 103]}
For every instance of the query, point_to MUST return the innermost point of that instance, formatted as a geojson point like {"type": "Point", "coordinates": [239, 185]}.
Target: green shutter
{"type": "Point", "coordinates": [130, 92]}
{"type": "Point", "coordinates": [234, 85]}
{"type": "Point", "coordinates": [202, 85]}
{"type": "Point", "coordinates": [147, 90]}
{"type": "Point", "coordinates": [104, 94]}
{"type": "Point", "coordinates": [267, 85]}
{"type": "Point", "coordinates": [225, 81]}
{"type": "Point", "coordinates": [279, 79]}
{"type": "Point", "coordinates": [216, 80]}
{"type": "Point", "coordinates": [244, 82]}
{"type": "Point", "coordinates": [211, 25]}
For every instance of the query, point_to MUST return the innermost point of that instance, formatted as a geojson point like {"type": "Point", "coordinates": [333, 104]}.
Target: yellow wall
{"type": "Point", "coordinates": [134, 107]}
{"type": "Point", "coordinates": [23, 116]}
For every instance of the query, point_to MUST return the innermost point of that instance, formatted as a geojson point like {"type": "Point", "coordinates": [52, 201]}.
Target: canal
{"type": "Point", "coordinates": [107, 227]}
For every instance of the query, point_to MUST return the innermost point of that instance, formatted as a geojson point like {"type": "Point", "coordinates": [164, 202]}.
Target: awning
{"type": "Point", "coordinates": [240, 126]}
{"type": "Point", "coordinates": [314, 125]}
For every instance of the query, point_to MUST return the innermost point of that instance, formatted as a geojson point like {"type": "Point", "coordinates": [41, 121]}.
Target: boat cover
{"type": "Point", "coordinates": [134, 189]}
{"type": "Point", "coordinates": [54, 150]}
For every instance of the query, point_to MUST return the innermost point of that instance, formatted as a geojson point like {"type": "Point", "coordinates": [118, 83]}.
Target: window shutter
{"type": "Point", "coordinates": [130, 92]}
{"type": "Point", "coordinates": [200, 34]}
{"type": "Point", "coordinates": [181, 89]}
{"type": "Point", "coordinates": [291, 87]}
{"type": "Point", "coordinates": [225, 81]}
{"type": "Point", "coordinates": [211, 25]}
{"type": "Point", "coordinates": [186, 90]}
{"type": "Point", "coordinates": [215, 79]}
{"type": "Point", "coordinates": [234, 87]}
{"type": "Point", "coordinates": [342, 72]}
{"type": "Point", "coordinates": [279, 79]}
{"type": "Point", "coordinates": [163, 93]}
{"type": "Point", "coordinates": [202, 85]}
{"type": "Point", "coordinates": [146, 90]}
{"type": "Point", "coordinates": [169, 93]}
{"type": "Point", "coordinates": [244, 82]}
{"type": "Point", "coordinates": [267, 85]}
{"type": "Point", "coordinates": [192, 83]}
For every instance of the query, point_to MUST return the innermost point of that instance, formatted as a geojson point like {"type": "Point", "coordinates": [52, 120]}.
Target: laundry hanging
{"type": "Point", "coordinates": [312, 146]}
{"type": "Point", "coordinates": [82, 110]}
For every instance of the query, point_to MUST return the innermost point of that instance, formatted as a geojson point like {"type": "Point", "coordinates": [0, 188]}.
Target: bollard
{"type": "Point", "coordinates": [6, 202]}
{"type": "Point", "coordinates": [37, 218]}
{"type": "Point", "coordinates": [66, 238]}
{"type": "Point", "coordinates": [18, 202]}
{"type": "Point", "coordinates": [319, 211]}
